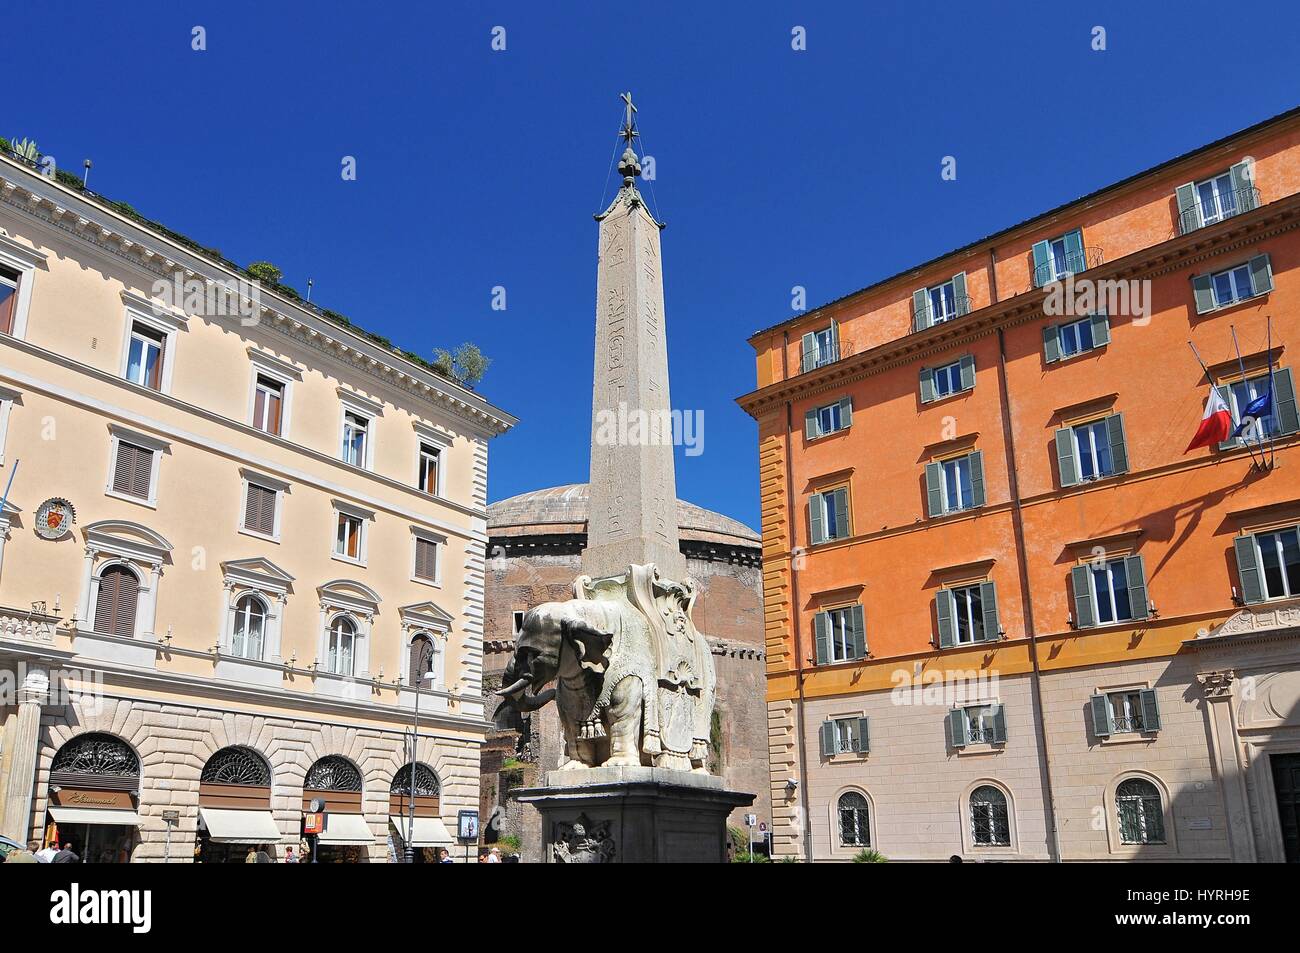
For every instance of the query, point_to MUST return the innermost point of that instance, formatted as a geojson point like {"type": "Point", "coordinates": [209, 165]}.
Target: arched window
{"type": "Point", "coordinates": [1141, 812]}
{"type": "Point", "coordinates": [333, 773]}
{"type": "Point", "coordinates": [855, 821]}
{"type": "Point", "coordinates": [119, 590]}
{"type": "Point", "coordinates": [98, 754]}
{"type": "Point", "coordinates": [342, 646]}
{"type": "Point", "coordinates": [249, 628]}
{"type": "Point", "coordinates": [237, 765]}
{"type": "Point", "coordinates": [989, 820]}
{"type": "Point", "coordinates": [426, 782]}
{"type": "Point", "coordinates": [421, 661]}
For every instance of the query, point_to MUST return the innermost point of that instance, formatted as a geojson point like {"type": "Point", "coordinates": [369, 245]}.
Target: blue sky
{"type": "Point", "coordinates": [478, 169]}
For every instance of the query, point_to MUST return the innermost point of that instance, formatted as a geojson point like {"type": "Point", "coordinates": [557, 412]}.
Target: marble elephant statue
{"type": "Point", "coordinates": [602, 660]}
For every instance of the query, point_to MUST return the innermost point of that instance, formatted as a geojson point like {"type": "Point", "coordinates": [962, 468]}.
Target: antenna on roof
{"type": "Point", "coordinates": [85, 178]}
{"type": "Point", "coordinates": [308, 289]}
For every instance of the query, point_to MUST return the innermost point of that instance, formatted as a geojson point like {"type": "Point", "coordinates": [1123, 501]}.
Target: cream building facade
{"type": "Point", "coordinates": [258, 522]}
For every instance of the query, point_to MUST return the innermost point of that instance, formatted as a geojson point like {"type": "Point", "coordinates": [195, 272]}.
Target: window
{"type": "Point", "coordinates": [855, 820]}
{"type": "Point", "coordinates": [955, 378]}
{"type": "Point", "coordinates": [1092, 450]}
{"type": "Point", "coordinates": [1063, 341]}
{"type": "Point", "coordinates": [246, 638]}
{"type": "Point", "coordinates": [348, 536]}
{"type": "Point", "coordinates": [989, 819]}
{"type": "Point", "coordinates": [1216, 198]}
{"type": "Point", "coordinates": [260, 510]}
{"type": "Point", "coordinates": [1274, 565]}
{"type": "Point", "coordinates": [427, 476]}
{"type": "Point", "coordinates": [1076, 337]}
{"type": "Point", "coordinates": [342, 646]}
{"type": "Point", "coordinates": [426, 559]}
{"type": "Point", "coordinates": [1224, 288]}
{"type": "Point", "coordinates": [1110, 590]}
{"type": "Point", "coordinates": [1141, 812]}
{"type": "Point", "coordinates": [828, 515]}
{"type": "Point", "coordinates": [8, 298]}
{"type": "Point", "coordinates": [955, 484]}
{"type": "Point", "coordinates": [829, 419]}
{"type": "Point", "coordinates": [115, 605]}
{"type": "Point", "coordinates": [820, 347]}
{"type": "Point", "coordinates": [1266, 416]}
{"type": "Point", "coordinates": [144, 361]}
{"type": "Point", "coordinates": [268, 404]}
{"type": "Point", "coordinates": [133, 471]}
{"type": "Point", "coordinates": [967, 614]}
{"type": "Point", "coordinates": [517, 621]}
{"type": "Point", "coordinates": [1125, 712]}
{"type": "Point", "coordinates": [356, 435]}
{"type": "Point", "coordinates": [940, 303]}
{"type": "Point", "coordinates": [840, 635]}
{"type": "Point", "coordinates": [844, 736]}
{"type": "Point", "coordinates": [978, 724]}
{"type": "Point", "coordinates": [1057, 257]}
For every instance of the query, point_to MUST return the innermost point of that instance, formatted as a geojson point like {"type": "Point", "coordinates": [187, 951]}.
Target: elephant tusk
{"type": "Point", "coordinates": [516, 687]}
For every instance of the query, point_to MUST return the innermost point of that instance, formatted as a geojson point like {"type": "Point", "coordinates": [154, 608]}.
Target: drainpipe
{"type": "Point", "coordinates": [794, 610]}
{"type": "Point", "coordinates": [1022, 566]}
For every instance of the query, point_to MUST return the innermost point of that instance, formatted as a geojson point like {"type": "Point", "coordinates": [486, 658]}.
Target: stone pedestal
{"type": "Point", "coordinates": [633, 815]}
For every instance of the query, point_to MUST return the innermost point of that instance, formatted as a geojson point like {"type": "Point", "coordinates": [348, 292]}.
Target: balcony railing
{"type": "Point", "coordinates": [1071, 264]}
{"type": "Point", "coordinates": [1225, 205]}
{"type": "Point", "coordinates": [825, 355]}
{"type": "Point", "coordinates": [1128, 724]}
{"type": "Point", "coordinates": [927, 316]}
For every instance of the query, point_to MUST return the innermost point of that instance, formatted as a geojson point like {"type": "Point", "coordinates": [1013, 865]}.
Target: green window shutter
{"type": "Point", "coordinates": [933, 492]}
{"type": "Point", "coordinates": [999, 724]}
{"type": "Point", "coordinates": [1066, 461]}
{"type": "Point", "coordinates": [835, 340]}
{"type": "Point", "coordinates": [927, 385]}
{"type": "Point", "coordinates": [841, 499]}
{"type": "Point", "coordinates": [1189, 210]}
{"type": "Point", "coordinates": [921, 309]}
{"type": "Point", "coordinates": [1243, 182]}
{"type": "Point", "coordinates": [1203, 290]}
{"type": "Point", "coordinates": [1225, 394]}
{"type": "Point", "coordinates": [859, 629]}
{"type": "Point", "coordinates": [1150, 710]}
{"type": "Point", "coordinates": [945, 612]}
{"type": "Point", "coordinates": [1135, 570]}
{"type": "Point", "coordinates": [846, 412]}
{"type": "Point", "coordinates": [822, 638]}
{"type": "Point", "coordinates": [816, 529]}
{"type": "Point", "coordinates": [959, 293]}
{"type": "Point", "coordinates": [1252, 580]}
{"type": "Point", "coordinates": [1118, 446]}
{"type": "Point", "coordinates": [967, 370]}
{"type": "Point", "coordinates": [989, 602]}
{"type": "Point", "coordinates": [1074, 259]}
{"type": "Point", "coordinates": [811, 427]}
{"type": "Point", "coordinates": [1051, 344]}
{"type": "Point", "coordinates": [1100, 329]}
{"type": "Point", "coordinates": [1042, 266]}
{"type": "Point", "coordinates": [1103, 716]}
{"type": "Point", "coordinates": [1284, 403]}
{"type": "Point", "coordinates": [977, 478]}
{"type": "Point", "coordinates": [957, 727]}
{"type": "Point", "coordinates": [1085, 617]}
{"type": "Point", "coordinates": [1261, 275]}
{"type": "Point", "coordinates": [864, 735]}
{"type": "Point", "coordinates": [809, 352]}
{"type": "Point", "coordinates": [828, 739]}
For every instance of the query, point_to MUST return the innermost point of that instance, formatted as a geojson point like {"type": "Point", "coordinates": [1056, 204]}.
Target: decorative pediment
{"type": "Point", "coordinates": [128, 540]}
{"type": "Point", "coordinates": [1263, 620]}
{"type": "Point", "coordinates": [257, 573]}
{"type": "Point", "coordinates": [425, 615]}
{"type": "Point", "coordinates": [350, 595]}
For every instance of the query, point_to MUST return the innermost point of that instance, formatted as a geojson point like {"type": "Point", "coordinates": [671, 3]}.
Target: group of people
{"type": "Point", "coordinates": [36, 854]}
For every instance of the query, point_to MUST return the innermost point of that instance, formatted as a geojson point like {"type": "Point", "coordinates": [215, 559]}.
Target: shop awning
{"type": "Point", "coordinates": [95, 815]}
{"type": "Point", "coordinates": [346, 829]}
{"type": "Point", "coordinates": [429, 831]}
{"type": "Point", "coordinates": [240, 827]}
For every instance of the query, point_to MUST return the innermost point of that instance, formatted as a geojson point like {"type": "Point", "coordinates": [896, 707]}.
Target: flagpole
{"type": "Point", "coordinates": [1210, 380]}
{"type": "Point", "coordinates": [1263, 463]}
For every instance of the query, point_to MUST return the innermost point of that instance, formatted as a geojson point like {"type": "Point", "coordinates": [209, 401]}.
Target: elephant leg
{"type": "Point", "coordinates": [624, 716]}
{"type": "Point", "coordinates": [573, 755]}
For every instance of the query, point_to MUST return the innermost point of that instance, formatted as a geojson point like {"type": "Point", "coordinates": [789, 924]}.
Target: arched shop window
{"type": "Point", "coordinates": [97, 754]}
{"type": "Point", "coordinates": [333, 773]}
{"type": "Point", "coordinates": [426, 781]}
{"type": "Point", "coordinates": [237, 765]}
{"type": "Point", "coordinates": [94, 783]}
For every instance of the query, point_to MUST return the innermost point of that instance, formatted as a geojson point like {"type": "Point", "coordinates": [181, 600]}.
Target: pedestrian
{"type": "Point", "coordinates": [27, 856]}
{"type": "Point", "coordinates": [46, 854]}
{"type": "Point", "coordinates": [494, 855]}
{"type": "Point", "coordinates": [251, 856]}
{"type": "Point", "coordinates": [483, 856]}
{"type": "Point", "coordinates": [444, 856]}
{"type": "Point", "coordinates": [67, 855]}
{"type": "Point", "coordinates": [289, 856]}
{"type": "Point", "coordinates": [263, 857]}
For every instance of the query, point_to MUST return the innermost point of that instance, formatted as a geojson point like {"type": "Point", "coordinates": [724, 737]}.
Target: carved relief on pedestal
{"type": "Point", "coordinates": [583, 841]}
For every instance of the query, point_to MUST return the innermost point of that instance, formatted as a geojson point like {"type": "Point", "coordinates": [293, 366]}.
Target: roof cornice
{"type": "Point", "coordinates": [56, 206]}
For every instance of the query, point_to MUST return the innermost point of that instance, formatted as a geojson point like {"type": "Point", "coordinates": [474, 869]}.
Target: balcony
{"type": "Point", "coordinates": [927, 315]}
{"type": "Point", "coordinates": [1216, 208]}
{"type": "Point", "coordinates": [1063, 266]}
{"type": "Point", "coordinates": [825, 354]}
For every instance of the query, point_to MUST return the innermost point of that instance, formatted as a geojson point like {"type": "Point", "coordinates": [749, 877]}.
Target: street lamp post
{"type": "Point", "coordinates": [426, 650]}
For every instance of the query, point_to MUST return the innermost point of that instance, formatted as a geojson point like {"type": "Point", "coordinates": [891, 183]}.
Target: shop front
{"type": "Point", "coordinates": [416, 793]}
{"type": "Point", "coordinates": [235, 818]}
{"type": "Point", "coordinates": [93, 796]}
{"type": "Point", "coordinates": [333, 785]}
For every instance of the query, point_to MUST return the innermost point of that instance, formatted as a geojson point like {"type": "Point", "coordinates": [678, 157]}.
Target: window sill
{"type": "Point", "coordinates": [981, 749]}
{"type": "Point", "coordinates": [848, 757]}
{"type": "Point", "coordinates": [944, 398]}
{"type": "Point", "coordinates": [348, 559]}
{"type": "Point", "coordinates": [1070, 358]}
{"type": "Point", "coordinates": [824, 436]}
{"type": "Point", "coordinates": [1129, 738]}
{"type": "Point", "coordinates": [431, 583]}
{"type": "Point", "coordinates": [126, 497]}
{"type": "Point", "coordinates": [1221, 308]}
{"type": "Point", "coordinates": [244, 531]}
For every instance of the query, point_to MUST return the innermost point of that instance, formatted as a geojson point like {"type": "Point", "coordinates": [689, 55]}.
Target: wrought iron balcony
{"type": "Point", "coordinates": [1128, 724]}
{"type": "Point", "coordinates": [927, 315]}
{"type": "Point", "coordinates": [825, 355]}
{"type": "Point", "coordinates": [1071, 264]}
{"type": "Point", "coordinates": [1223, 205]}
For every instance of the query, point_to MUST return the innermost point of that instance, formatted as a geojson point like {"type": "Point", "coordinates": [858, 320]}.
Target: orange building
{"type": "Point", "coordinates": [1007, 616]}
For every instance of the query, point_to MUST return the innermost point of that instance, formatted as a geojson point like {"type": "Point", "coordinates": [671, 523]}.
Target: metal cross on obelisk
{"type": "Point", "coordinates": [632, 515]}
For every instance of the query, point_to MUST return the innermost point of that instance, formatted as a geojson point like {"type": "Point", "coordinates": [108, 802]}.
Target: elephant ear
{"type": "Point", "coordinates": [591, 644]}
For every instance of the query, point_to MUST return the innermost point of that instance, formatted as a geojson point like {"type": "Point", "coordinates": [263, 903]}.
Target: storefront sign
{"type": "Point", "coordinates": [75, 797]}
{"type": "Point", "coordinates": [313, 823]}
{"type": "Point", "coordinates": [467, 826]}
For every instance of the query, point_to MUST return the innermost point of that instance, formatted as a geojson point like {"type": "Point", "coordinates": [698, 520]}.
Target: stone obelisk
{"type": "Point", "coordinates": [632, 512]}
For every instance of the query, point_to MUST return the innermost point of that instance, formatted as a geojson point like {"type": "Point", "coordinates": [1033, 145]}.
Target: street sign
{"type": "Point", "coordinates": [751, 820]}
{"type": "Point", "coordinates": [313, 823]}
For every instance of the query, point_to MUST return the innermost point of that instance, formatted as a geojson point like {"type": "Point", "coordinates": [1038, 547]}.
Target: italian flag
{"type": "Point", "coordinates": [1216, 423]}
